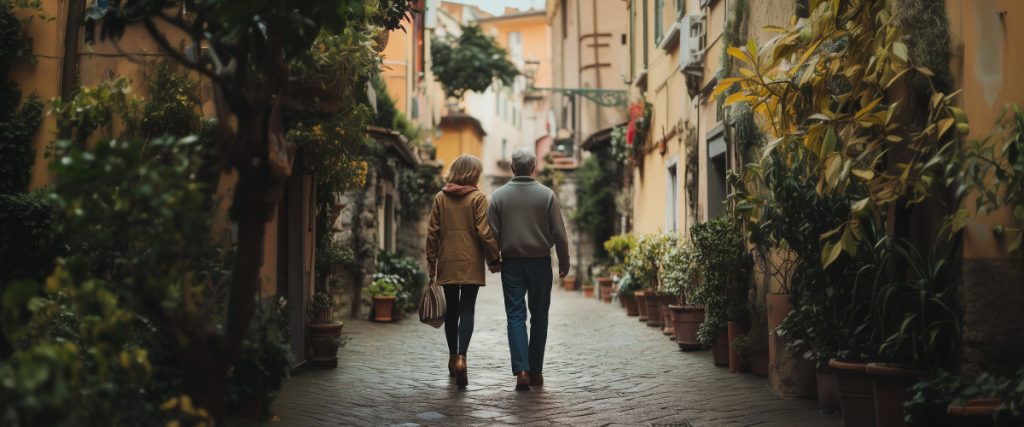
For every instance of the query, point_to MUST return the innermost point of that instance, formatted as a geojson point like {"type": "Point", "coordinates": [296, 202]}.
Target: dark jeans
{"type": "Point", "coordinates": [528, 278]}
{"type": "Point", "coordinates": [460, 304]}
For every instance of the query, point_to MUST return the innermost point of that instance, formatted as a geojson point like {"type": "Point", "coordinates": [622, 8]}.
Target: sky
{"type": "Point", "coordinates": [496, 7]}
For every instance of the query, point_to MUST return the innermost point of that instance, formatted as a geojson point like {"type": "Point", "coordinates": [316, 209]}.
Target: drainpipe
{"type": "Point", "coordinates": [69, 58]}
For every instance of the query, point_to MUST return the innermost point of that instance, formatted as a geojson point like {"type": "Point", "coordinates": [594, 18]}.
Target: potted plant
{"type": "Point", "coordinates": [627, 294]}
{"type": "Point", "coordinates": [751, 347]}
{"type": "Point", "coordinates": [588, 289]}
{"type": "Point", "coordinates": [722, 265]}
{"type": "Point", "coordinates": [383, 291]}
{"type": "Point", "coordinates": [604, 282]}
{"type": "Point", "coordinates": [642, 265]}
{"type": "Point", "coordinates": [324, 333]}
{"type": "Point", "coordinates": [915, 316]}
{"type": "Point", "coordinates": [954, 400]}
{"type": "Point", "coordinates": [679, 279]}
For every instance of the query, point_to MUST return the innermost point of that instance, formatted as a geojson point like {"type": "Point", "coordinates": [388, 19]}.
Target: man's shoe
{"type": "Point", "coordinates": [523, 381]}
{"type": "Point", "coordinates": [537, 380]}
{"type": "Point", "coordinates": [461, 377]}
{"type": "Point", "coordinates": [451, 365]}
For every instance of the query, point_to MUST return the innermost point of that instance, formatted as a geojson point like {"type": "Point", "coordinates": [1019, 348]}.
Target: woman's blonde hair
{"type": "Point", "coordinates": [465, 170]}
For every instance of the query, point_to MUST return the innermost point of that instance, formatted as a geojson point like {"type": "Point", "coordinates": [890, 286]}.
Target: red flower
{"type": "Point", "coordinates": [636, 111]}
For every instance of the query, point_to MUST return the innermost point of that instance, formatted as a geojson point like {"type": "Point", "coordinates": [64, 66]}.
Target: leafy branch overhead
{"type": "Point", "coordinates": [470, 62]}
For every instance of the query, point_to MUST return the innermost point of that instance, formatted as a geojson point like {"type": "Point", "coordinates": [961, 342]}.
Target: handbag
{"type": "Point", "coordinates": [432, 305]}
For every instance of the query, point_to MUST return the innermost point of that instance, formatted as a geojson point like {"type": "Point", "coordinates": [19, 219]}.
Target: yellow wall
{"type": "Point", "coordinates": [536, 44]}
{"type": "Point", "coordinates": [457, 140]}
{"type": "Point", "coordinates": [987, 60]}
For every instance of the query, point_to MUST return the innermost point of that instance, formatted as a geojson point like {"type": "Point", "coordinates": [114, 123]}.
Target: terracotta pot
{"type": "Point", "coordinates": [777, 307]}
{"type": "Point", "coordinates": [603, 281]}
{"type": "Point", "coordinates": [629, 302]}
{"type": "Point", "coordinates": [383, 308]}
{"type": "Point", "coordinates": [975, 413]}
{"type": "Point", "coordinates": [653, 303]}
{"type": "Point", "coordinates": [606, 293]}
{"type": "Point", "coordinates": [588, 291]}
{"type": "Point", "coordinates": [569, 283]}
{"type": "Point", "coordinates": [641, 305]}
{"type": "Point", "coordinates": [734, 330]}
{"type": "Point", "coordinates": [890, 383]}
{"type": "Point", "coordinates": [323, 343]}
{"type": "Point", "coordinates": [687, 320]}
{"type": "Point", "coordinates": [828, 392]}
{"type": "Point", "coordinates": [759, 364]}
{"type": "Point", "coordinates": [856, 394]}
{"type": "Point", "coordinates": [720, 349]}
{"type": "Point", "coordinates": [667, 325]}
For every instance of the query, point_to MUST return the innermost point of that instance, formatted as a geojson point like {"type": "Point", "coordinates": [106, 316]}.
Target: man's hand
{"type": "Point", "coordinates": [563, 273]}
{"type": "Point", "coordinates": [494, 268]}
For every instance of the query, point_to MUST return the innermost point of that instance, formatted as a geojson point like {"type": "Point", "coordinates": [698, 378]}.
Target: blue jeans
{"type": "Point", "coordinates": [529, 279]}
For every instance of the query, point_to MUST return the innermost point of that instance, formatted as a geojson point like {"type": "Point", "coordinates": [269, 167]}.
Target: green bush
{"type": "Point", "coordinates": [384, 285]}
{"type": "Point", "coordinates": [723, 268]}
{"type": "Point", "coordinates": [412, 278]}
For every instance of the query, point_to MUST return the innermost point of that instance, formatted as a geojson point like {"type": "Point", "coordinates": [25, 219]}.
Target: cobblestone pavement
{"type": "Point", "coordinates": [601, 368]}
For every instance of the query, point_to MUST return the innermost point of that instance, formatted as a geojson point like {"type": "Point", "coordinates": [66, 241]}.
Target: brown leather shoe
{"type": "Point", "coordinates": [537, 380]}
{"type": "Point", "coordinates": [451, 365]}
{"type": "Point", "coordinates": [522, 381]}
{"type": "Point", "coordinates": [461, 377]}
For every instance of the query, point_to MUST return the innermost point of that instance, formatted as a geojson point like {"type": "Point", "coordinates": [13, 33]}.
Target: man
{"type": "Point", "coordinates": [526, 220]}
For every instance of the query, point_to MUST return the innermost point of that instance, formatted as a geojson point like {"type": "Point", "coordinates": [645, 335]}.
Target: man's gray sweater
{"type": "Point", "coordinates": [526, 220]}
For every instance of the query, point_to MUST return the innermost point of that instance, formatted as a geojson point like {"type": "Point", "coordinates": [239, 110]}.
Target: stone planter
{"type": "Point", "coordinates": [629, 302]}
{"type": "Point", "coordinates": [788, 375]}
{"type": "Point", "coordinates": [383, 308]}
{"type": "Point", "coordinates": [653, 303]}
{"type": "Point", "coordinates": [323, 343]}
{"type": "Point", "coordinates": [641, 304]}
{"type": "Point", "coordinates": [687, 320]}
{"type": "Point", "coordinates": [856, 393]}
{"type": "Point", "coordinates": [890, 383]}
{"type": "Point", "coordinates": [828, 392]}
{"type": "Point", "coordinates": [720, 349]}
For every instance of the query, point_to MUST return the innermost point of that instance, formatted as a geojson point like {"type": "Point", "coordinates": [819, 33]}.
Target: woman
{"type": "Point", "coordinates": [458, 242]}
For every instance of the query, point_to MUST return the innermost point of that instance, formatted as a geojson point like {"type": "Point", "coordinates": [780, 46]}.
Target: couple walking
{"type": "Point", "coordinates": [513, 234]}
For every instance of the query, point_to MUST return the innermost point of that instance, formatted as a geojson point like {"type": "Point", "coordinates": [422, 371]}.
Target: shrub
{"type": "Point", "coordinates": [412, 278]}
{"type": "Point", "coordinates": [723, 268]}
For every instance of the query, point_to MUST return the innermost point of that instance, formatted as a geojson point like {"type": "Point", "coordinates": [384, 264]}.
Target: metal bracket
{"type": "Point", "coordinates": [603, 97]}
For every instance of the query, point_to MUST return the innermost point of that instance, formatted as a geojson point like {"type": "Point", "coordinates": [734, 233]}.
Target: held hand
{"type": "Point", "coordinates": [495, 268]}
{"type": "Point", "coordinates": [563, 273]}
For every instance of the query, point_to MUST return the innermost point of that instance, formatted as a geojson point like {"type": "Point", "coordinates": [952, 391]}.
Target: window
{"type": "Point", "coordinates": [632, 39]}
{"type": "Point", "coordinates": [644, 29]}
{"type": "Point", "coordinates": [565, 19]}
{"type": "Point", "coordinates": [672, 209]}
{"type": "Point", "coordinates": [680, 9]}
{"type": "Point", "coordinates": [515, 47]}
{"type": "Point", "coordinates": [659, 20]}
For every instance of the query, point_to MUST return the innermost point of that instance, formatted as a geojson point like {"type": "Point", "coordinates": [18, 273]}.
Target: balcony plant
{"type": "Point", "coordinates": [383, 291]}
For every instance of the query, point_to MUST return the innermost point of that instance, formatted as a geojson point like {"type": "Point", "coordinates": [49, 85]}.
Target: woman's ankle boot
{"type": "Point", "coordinates": [461, 377]}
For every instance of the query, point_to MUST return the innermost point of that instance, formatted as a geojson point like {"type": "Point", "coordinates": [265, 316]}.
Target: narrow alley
{"type": "Point", "coordinates": [601, 368]}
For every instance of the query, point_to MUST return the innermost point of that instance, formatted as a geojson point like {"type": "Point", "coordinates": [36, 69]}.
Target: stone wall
{"type": "Point", "coordinates": [356, 227]}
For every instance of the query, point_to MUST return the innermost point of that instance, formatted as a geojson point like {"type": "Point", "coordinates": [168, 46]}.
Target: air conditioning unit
{"type": "Point", "coordinates": [691, 42]}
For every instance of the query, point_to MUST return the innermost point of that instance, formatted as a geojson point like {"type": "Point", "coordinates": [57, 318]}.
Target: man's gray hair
{"type": "Point", "coordinates": [523, 161]}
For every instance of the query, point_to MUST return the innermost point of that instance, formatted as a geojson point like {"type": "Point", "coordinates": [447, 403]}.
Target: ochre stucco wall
{"type": "Point", "coordinates": [457, 140]}
{"type": "Point", "coordinates": [987, 59]}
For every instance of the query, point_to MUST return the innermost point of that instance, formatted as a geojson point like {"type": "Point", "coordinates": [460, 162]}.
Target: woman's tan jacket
{"type": "Point", "coordinates": [459, 239]}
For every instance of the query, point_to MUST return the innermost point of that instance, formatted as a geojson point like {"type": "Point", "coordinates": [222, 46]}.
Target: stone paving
{"type": "Point", "coordinates": [601, 368]}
